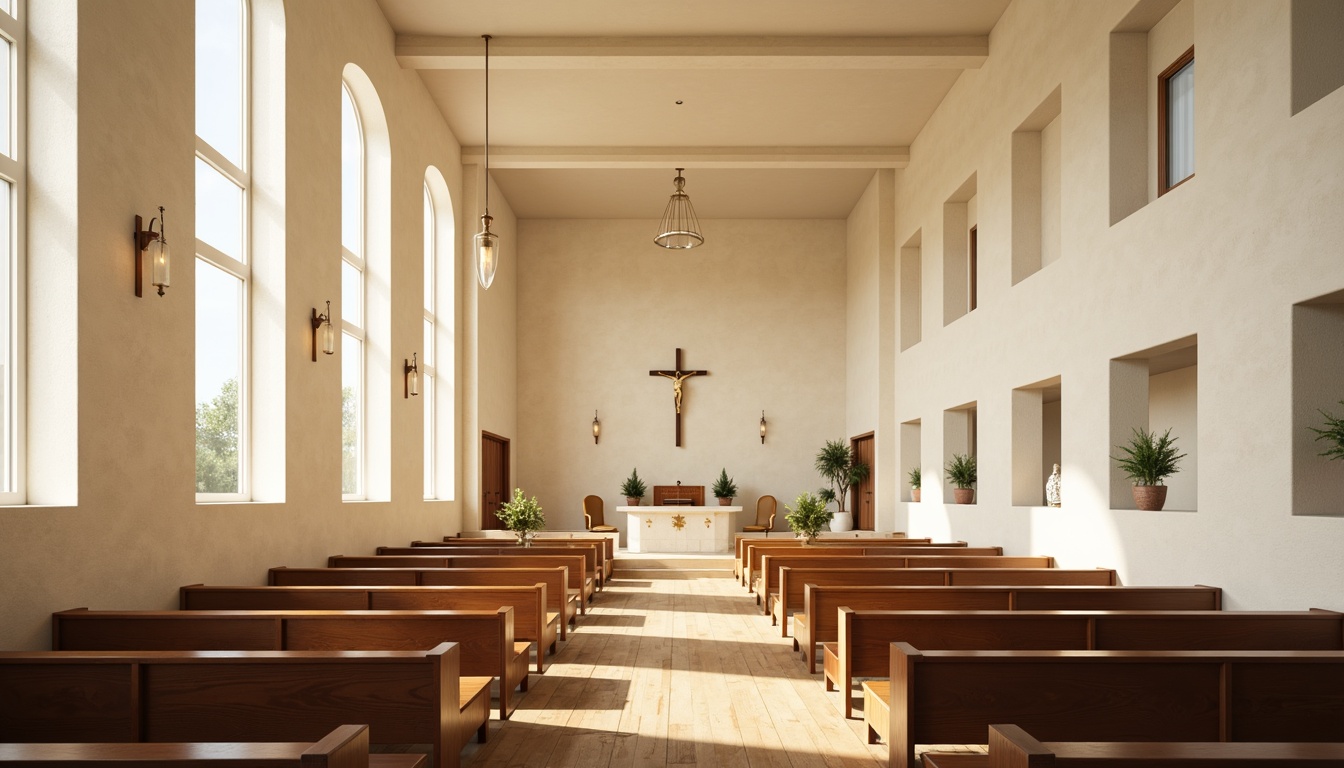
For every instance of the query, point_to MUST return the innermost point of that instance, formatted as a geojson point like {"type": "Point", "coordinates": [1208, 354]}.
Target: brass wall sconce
{"type": "Point", "coordinates": [412, 371]}
{"type": "Point", "coordinates": [597, 428]}
{"type": "Point", "coordinates": [762, 427]}
{"type": "Point", "coordinates": [153, 246]}
{"type": "Point", "coordinates": [322, 326]}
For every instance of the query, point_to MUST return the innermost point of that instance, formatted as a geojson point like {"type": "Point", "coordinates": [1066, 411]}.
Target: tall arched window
{"type": "Point", "coordinates": [353, 328]}
{"type": "Point", "coordinates": [438, 343]}
{"type": "Point", "coordinates": [223, 257]}
{"type": "Point", "coordinates": [13, 61]}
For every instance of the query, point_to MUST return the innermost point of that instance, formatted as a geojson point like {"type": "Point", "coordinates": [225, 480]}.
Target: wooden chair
{"type": "Point", "coordinates": [765, 516]}
{"type": "Point", "coordinates": [592, 515]}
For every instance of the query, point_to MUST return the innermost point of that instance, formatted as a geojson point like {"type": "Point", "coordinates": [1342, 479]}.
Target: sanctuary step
{"type": "Point", "coordinates": [630, 565]}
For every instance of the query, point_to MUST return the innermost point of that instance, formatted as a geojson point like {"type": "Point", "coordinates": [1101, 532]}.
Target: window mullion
{"type": "Point", "coordinates": [220, 163]}
{"type": "Point", "coordinates": [222, 260]}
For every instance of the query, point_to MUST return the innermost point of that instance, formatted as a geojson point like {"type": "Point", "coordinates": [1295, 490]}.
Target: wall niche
{"type": "Point", "coordinates": [1155, 389]}
{"type": "Point", "coordinates": [1318, 385]}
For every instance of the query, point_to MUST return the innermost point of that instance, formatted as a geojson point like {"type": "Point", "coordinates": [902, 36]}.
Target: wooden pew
{"type": "Point", "coordinates": [864, 644]}
{"type": "Point", "coordinates": [756, 555]}
{"type": "Point", "coordinates": [1012, 747]}
{"type": "Point", "coordinates": [532, 621]}
{"type": "Point", "coordinates": [579, 576]}
{"type": "Point", "coordinates": [602, 546]}
{"type": "Point", "coordinates": [788, 598]}
{"type": "Point", "coordinates": [754, 549]}
{"type": "Point", "coordinates": [952, 697]}
{"type": "Point", "coordinates": [818, 623]}
{"type": "Point", "coordinates": [741, 542]}
{"type": "Point", "coordinates": [485, 638]}
{"type": "Point", "coordinates": [560, 598]}
{"type": "Point", "coordinates": [591, 553]}
{"type": "Point", "coordinates": [607, 541]}
{"type": "Point", "coordinates": [406, 697]}
{"type": "Point", "coordinates": [345, 747]}
{"type": "Point", "coordinates": [767, 581]}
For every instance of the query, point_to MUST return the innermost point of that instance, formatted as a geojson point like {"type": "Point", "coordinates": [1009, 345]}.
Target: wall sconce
{"type": "Point", "coordinates": [153, 246]}
{"type": "Point", "coordinates": [762, 427]}
{"type": "Point", "coordinates": [412, 371]}
{"type": "Point", "coordinates": [322, 325]}
{"type": "Point", "coordinates": [597, 428]}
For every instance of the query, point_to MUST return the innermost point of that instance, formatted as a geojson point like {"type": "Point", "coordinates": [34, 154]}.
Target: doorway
{"type": "Point", "coordinates": [494, 479]}
{"type": "Point", "coordinates": [861, 503]}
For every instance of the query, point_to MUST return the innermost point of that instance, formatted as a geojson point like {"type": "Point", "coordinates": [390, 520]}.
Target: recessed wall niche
{"type": "Point", "coordinates": [1036, 439]}
{"type": "Point", "coordinates": [960, 278]}
{"type": "Point", "coordinates": [1317, 57]}
{"type": "Point", "coordinates": [1318, 385]}
{"type": "Point", "coordinates": [1157, 388]}
{"type": "Point", "coordinates": [1036, 189]}
{"type": "Point", "coordinates": [910, 458]}
{"type": "Point", "coordinates": [912, 289]}
{"type": "Point", "coordinates": [959, 436]}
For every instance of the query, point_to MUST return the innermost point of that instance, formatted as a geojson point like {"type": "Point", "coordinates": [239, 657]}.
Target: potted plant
{"type": "Point", "coordinates": [1333, 435]}
{"type": "Point", "coordinates": [1147, 460]}
{"type": "Point", "coordinates": [807, 516]}
{"type": "Point", "coordinates": [960, 471]}
{"type": "Point", "coordinates": [914, 483]}
{"type": "Point", "coordinates": [522, 516]}
{"type": "Point", "coordinates": [633, 489]}
{"type": "Point", "coordinates": [724, 488]}
{"type": "Point", "coordinates": [837, 465]}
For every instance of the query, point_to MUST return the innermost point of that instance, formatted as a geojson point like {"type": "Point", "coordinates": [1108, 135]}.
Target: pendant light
{"type": "Point", "coordinates": [680, 228]}
{"type": "Point", "coordinates": [487, 242]}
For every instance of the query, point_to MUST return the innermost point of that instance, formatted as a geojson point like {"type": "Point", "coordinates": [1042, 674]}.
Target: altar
{"type": "Point", "coordinates": [680, 528]}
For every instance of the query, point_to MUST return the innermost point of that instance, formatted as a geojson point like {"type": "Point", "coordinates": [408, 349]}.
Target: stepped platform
{"type": "Point", "coordinates": [665, 565]}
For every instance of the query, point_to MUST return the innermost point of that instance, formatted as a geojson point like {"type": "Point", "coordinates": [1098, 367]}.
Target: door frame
{"type": "Point", "coordinates": [856, 500]}
{"type": "Point", "coordinates": [508, 474]}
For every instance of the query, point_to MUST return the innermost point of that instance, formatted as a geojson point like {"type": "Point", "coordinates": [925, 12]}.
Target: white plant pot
{"type": "Point", "coordinates": [842, 521]}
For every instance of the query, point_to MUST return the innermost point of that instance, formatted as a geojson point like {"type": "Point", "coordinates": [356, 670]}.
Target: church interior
{"type": "Point", "coordinates": [1014, 232]}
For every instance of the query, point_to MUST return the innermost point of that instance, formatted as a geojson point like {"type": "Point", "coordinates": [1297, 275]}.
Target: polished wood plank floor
{"type": "Point", "coordinates": [666, 672]}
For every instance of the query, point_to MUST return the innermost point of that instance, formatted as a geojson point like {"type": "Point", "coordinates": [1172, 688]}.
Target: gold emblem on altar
{"type": "Point", "coordinates": [678, 521]}
{"type": "Point", "coordinates": [708, 522]}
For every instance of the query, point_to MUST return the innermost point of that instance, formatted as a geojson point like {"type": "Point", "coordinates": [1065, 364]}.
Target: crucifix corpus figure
{"type": "Point", "coordinates": [678, 378]}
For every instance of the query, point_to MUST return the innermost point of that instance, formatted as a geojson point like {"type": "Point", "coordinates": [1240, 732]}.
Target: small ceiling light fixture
{"type": "Point", "coordinates": [412, 371]}
{"type": "Point", "coordinates": [680, 228]}
{"type": "Point", "coordinates": [597, 428]}
{"type": "Point", "coordinates": [487, 242]}
{"type": "Point", "coordinates": [322, 326]}
{"type": "Point", "coordinates": [153, 246]}
{"type": "Point", "coordinates": [762, 427]}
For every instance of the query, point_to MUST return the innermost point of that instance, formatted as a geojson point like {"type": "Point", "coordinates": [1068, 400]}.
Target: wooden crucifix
{"type": "Point", "coordinates": [678, 378]}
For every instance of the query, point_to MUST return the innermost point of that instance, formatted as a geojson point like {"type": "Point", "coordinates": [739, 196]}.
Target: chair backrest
{"type": "Point", "coordinates": [765, 511]}
{"type": "Point", "coordinates": [592, 509]}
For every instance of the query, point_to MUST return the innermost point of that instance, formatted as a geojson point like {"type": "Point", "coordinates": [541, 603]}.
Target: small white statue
{"type": "Point", "coordinates": [1052, 488]}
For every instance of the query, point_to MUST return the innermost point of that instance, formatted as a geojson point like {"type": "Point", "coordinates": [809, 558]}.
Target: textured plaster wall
{"type": "Point", "coordinates": [1224, 256]}
{"type": "Point", "coordinates": [761, 306]}
{"type": "Point", "coordinates": [126, 531]}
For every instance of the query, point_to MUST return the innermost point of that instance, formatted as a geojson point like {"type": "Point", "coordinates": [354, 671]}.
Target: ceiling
{"type": "Point", "coordinates": [787, 106]}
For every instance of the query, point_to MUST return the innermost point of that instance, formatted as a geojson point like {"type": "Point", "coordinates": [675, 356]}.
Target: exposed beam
{"type": "Point", "coordinates": [433, 52]}
{"type": "Point", "coordinates": [690, 157]}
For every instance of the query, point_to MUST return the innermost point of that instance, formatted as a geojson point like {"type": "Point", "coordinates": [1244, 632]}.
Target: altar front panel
{"type": "Point", "coordinates": [680, 528]}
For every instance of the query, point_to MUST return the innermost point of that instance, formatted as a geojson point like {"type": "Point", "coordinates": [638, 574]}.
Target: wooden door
{"type": "Point", "coordinates": [861, 499]}
{"type": "Point", "coordinates": [494, 478]}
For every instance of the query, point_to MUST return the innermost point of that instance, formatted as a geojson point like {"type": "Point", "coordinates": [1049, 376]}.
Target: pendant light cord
{"type": "Point", "coordinates": [487, 124]}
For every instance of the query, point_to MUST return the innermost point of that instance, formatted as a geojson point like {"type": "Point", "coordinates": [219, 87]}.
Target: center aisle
{"type": "Point", "coordinates": [676, 672]}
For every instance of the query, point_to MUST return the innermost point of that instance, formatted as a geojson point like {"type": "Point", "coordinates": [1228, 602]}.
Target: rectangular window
{"type": "Point", "coordinates": [12, 272]}
{"type": "Point", "coordinates": [1176, 122]}
{"type": "Point", "coordinates": [223, 272]}
{"type": "Point", "coordinates": [974, 272]}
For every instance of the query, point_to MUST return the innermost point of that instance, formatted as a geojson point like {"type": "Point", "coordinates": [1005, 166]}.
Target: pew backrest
{"type": "Point", "coordinates": [1012, 747]}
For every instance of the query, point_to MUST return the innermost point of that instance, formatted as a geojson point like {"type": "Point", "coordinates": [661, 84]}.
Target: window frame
{"type": "Point", "coordinates": [1163, 122]}
{"type": "Point", "coordinates": [14, 171]}
{"type": "Point", "coordinates": [358, 332]}
{"type": "Point", "coordinates": [239, 269]}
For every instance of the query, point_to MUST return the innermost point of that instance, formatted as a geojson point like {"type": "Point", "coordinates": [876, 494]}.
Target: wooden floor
{"type": "Point", "coordinates": [677, 672]}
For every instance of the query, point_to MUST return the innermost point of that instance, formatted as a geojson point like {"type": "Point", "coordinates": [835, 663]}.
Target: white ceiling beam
{"type": "Point", "coordinates": [689, 157]}
{"type": "Point", "coordinates": [433, 52]}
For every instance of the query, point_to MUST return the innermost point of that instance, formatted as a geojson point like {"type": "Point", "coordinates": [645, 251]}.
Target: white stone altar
{"type": "Point", "coordinates": [680, 528]}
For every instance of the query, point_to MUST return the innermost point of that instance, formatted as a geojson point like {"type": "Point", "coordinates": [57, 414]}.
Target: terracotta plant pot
{"type": "Point", "coordinates": [914, 494]}
{"type": "Point", "coordinates": [725, 501]}
{"type": "Point", "coordinates": [633, 501]}
{"type": "Point", "coordinates": [1150, 498]}
{"type": "Point", "coordinates": [963, 495]}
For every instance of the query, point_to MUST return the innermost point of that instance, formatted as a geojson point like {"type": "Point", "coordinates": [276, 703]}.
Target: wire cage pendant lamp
{"type": "Point", "coordinates": [486, 242]}
{"type": "Point", "coordinates": [680, 229]}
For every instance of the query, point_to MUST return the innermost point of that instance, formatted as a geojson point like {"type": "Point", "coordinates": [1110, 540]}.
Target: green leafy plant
{"type": "Point", "coordinates": [1333, 435]}
{"type": "Point", "coordinates": [960, 470]}
{"type": "Point", "coordinates": [1149, 458]}
{"type": "Point", "coordinates": [634, 487]}
{"type": "Point", "coordinates": [915, 477]}
{"type": "Point", "coordinates": [808, 515]}
{"type": "Point", "coordinates": [521, 514]}
{"type": "Point", "coordinates": [724, 487]}
{"type": "Point", "coordinates": [837, 466]}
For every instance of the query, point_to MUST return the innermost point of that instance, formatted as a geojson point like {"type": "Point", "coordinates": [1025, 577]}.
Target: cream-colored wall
{"type": "Point", "coordinates": [1224, 256]}
{"type": "Point", "coordinates": [131, 533]}
{"type": "Point", "coordinates": [761, 306]}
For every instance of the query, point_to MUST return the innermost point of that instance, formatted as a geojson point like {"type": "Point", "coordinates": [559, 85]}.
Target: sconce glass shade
{"type": "Point", "coordinates": [762, 427]}
{"type": "Point", "coordinates": [412, 377]}
{"type": "Point", "coordinates": [160, 264]}
{"type": "Point", "coordinates": [597, 428]}
{"type": "Point", "coordinates": [328, 338]}
{"type": "Point", "coordinates": [680, 228]}
{"type": "Point", "coordinates": [487, 253]}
